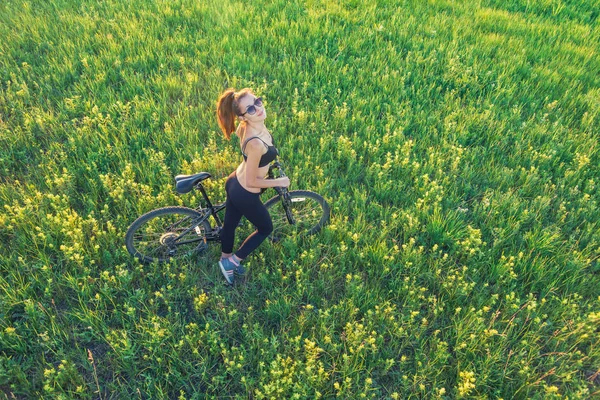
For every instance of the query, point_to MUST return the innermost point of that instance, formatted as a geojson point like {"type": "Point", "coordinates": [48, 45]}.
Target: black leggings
{"type": "Point", "coordinates": [241, 202]}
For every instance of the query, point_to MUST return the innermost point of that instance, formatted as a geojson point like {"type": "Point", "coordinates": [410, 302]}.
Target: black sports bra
{"type": "Point", "coordinates": [266, 158]}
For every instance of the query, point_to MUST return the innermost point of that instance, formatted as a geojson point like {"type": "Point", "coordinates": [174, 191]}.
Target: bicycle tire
{"type": "Point", "coordinates": [309, 209]}
{"type": "Point", "coordinates": [165, 240]}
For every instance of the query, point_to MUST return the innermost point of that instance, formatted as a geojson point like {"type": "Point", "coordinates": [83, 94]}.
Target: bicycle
{"type": "Point", "coordinates": [172, 232]}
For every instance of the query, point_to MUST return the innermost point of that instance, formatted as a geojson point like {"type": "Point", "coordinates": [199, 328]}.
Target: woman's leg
{"type": "Point", "coordinates": [249, 205]}
{"type": "Point", "coordinates": [237, 199]}
{"type": "Point", "coordinates": [230, 222]}
{"type": "Point", "coordinates": [259, 216]}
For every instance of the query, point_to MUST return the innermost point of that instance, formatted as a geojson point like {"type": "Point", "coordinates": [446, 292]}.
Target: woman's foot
{"type": "Point", "coordinates": [228, 268]}
{"type": "Point", "coordinates": [239, 268]}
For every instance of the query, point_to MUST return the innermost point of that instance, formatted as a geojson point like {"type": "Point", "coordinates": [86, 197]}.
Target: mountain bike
{"type": "Point", "coordinates": [174, 232]}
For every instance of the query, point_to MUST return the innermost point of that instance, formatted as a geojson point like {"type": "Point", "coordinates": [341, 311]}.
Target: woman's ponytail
{"type": "Point", "coordinates": [227, 109]}
{"type": "Point", "coordinates": [225, 114]}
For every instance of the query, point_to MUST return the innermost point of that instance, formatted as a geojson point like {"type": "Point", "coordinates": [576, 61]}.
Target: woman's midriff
{"type": "Point", "coordinates": [240, 173]}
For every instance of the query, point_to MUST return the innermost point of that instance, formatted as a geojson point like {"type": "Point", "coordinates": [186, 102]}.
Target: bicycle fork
{"type": "Point", "coordinates": [287, 204]}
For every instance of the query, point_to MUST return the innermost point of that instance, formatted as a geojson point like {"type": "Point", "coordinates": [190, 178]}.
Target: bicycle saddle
{"type": "Point", "coordinates": [185, 183]}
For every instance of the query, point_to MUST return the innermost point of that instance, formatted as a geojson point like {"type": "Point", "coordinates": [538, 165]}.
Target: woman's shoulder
{"type": "Point", "coordinates": [254, 146]}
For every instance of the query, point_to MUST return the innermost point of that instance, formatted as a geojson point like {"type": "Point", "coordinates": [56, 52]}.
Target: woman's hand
{"type": "Point", "coordinates": [283, 182]}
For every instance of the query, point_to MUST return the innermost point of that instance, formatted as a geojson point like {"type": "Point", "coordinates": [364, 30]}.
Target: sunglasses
{"type": "Point", "coordinates": [251, 109]}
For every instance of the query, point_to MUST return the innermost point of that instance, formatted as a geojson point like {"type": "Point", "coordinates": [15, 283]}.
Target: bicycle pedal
{"type": "Point", "coordinates": [201, 248]}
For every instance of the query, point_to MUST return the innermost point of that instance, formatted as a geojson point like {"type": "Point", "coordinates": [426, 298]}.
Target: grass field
{"type": "Point", "coordinates": [456, 141]}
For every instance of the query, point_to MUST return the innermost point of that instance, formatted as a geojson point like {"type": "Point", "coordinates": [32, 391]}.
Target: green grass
{"type": "Point", "coordinates": [457, 143]}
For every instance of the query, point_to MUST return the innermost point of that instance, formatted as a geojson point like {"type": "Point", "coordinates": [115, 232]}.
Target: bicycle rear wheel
{"type": "Point", "coordinates": [166, 233]}
{"type": "Point", "coordinates": [308, 212]}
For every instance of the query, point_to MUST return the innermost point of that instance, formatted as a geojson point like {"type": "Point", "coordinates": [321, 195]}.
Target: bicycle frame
{"type": "Point", "coordinates": [215, 234]}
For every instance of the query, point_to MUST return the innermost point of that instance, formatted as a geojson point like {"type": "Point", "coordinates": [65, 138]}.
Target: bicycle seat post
{"type": "Point", "coordinates": [204, 195]}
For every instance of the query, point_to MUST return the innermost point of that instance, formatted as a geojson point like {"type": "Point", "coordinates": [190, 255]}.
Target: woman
{"type": "Point", "coordinates": [244, 185]}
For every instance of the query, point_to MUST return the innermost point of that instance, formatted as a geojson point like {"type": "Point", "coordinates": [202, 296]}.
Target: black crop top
{"type": "Point", "coordinates": [266, 158]}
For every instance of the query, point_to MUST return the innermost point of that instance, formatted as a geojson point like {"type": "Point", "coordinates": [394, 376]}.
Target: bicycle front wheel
{"type": "Point", "coordinates": [166, 233]}
{"type": "Point", "coordinates": [304, 213]}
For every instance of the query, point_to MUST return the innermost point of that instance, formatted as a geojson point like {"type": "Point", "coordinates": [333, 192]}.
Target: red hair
{"type": "Point", "coordinates": [228, 108]}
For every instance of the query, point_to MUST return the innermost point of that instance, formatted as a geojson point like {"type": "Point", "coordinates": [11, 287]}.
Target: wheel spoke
{"type": "Point", "coordinates": [166, 233]}
{"type": "Point", "coordinates": [153, 251]}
